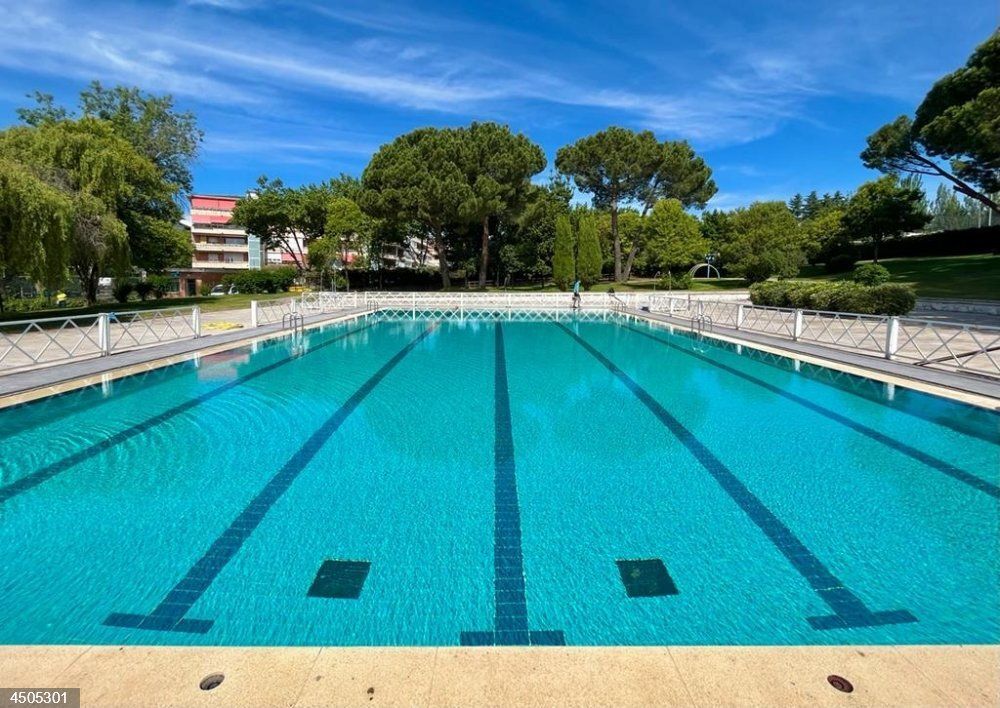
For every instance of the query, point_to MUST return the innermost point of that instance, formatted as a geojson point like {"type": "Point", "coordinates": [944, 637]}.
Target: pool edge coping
{"type": "Point", "coordinates": [944, 384]}
{"type": "Point", "coordinates": [646, 675]}
{"type": "Point", "coordinates": [936, 382]}
{"type": "Point", "coordinates": [149, 359]}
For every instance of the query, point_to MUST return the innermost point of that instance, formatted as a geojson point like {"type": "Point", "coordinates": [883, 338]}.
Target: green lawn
{"type": "Point", "coordinates": [207, 304]}
{"type": "Point", "coordinates": [963, 277]}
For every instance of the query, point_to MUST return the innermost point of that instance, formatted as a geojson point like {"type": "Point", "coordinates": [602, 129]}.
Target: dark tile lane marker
{"type": "Point", "coordinates": [511, 607]}
{"type": "Point", "coordinates": [169, 614]}
{"type": "Point", "coordinates": [940, 465]}
{"type": "Point", "coordinates": [35, 478]}
{"type": "Point", "coordinates": [849, 610]}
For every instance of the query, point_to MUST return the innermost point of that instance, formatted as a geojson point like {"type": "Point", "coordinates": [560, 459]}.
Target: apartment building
{"type": "Point", "coordinates": [220, 247]}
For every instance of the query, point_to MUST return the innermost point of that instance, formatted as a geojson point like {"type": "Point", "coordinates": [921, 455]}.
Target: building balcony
{"type": "Point", "coordinates": [237, 265]}
{"type": "Point", "coordinates": [220, 247]}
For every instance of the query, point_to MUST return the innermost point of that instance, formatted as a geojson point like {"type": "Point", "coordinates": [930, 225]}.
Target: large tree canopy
{"type": "Point", "coordinates": [95, 172]}
{"type": "Point", "coordinates": [151, 123]}
{"type": "Point", "coordinates": [618, 166]}
{"type": "Point", "coordinates": [417, 178]}
{"type": "Point", "coordinates": [498, 165]}
{"type": "Point", "coordinates": [288, 219]}
{"type": "Point", "coordinates": [958, 120]}
{"type": "Point", "coordinates": [673, 237]}
{"type": "Point", "coordinates": [163, 135]}
{"type": "Point", "coordinates": [884, 208]}
{"type": "Point", "coordinates": [763, 240]}
{"type": "Point", "coordinates": [35, 224]}
{"type": "Point", "coordinates": [448, 179]}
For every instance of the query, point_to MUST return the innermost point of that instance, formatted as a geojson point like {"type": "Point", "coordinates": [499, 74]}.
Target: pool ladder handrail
{"type": "Point", "coordinates": [618, 305]}
{"type": "Point", "coordinates": [293, 321]}
{"type": "Point", "coordinates": [700, 322]}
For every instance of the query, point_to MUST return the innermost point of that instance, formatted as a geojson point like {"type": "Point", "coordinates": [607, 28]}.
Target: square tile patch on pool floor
{"type": "Point", "coordinates": [646, 578]}
{"type": "Point", "coordinates": [340, 579]}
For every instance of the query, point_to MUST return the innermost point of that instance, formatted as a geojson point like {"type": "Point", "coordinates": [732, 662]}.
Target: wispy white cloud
{"type": "Point", "coordinates": [743, 83]}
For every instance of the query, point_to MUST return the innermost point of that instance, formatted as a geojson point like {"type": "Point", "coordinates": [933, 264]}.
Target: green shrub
{"type": "Point", "coordinates": [870, 274]}
{"type": "Point", "coordinates": [843, 296]}
{"type": "Point", "coordinates": [770, 293]}
{"type": "Point", "coordinates": [143, 289]}
{"type": "Point", "coordinates": [205, 289]}
{"type": "Point", "coordinates": [161, 284]}
{"type": "Point", "coordinates": [266, 280]}
{"type": "Point", "coordinates": [679, 281]}
{"type": "Point", "coordinates": [282, 276]}
{"type": "Point", "coordinates": [121, 290]}
{"type": "Point", "coordinates": [893, 299]}
{"type": "Point", "coordinates": [36, 304]}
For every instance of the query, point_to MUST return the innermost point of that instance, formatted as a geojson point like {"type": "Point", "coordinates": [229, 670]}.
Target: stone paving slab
{"type": "Point", "coordinates": [512, 676]}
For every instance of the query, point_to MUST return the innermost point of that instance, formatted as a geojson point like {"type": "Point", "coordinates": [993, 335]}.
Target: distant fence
{"type": "Point", "coordinates": [947, 345]}
{"type": "Point", "coordinates": [944, 345]}
{"type": "Point", "coordinates": [25, 343]}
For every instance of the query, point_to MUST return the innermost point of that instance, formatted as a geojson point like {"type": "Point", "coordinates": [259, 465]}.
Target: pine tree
{"type": "Point", "coordinates": [795, 205]}
{"type": "Point", "coordinates": [589, 253]}
{"type": "Point", "coordinates": [563, 265]}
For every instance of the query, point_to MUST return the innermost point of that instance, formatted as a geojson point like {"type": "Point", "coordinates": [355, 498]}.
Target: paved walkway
{"type": "Point", "coordinates": [494, 676]}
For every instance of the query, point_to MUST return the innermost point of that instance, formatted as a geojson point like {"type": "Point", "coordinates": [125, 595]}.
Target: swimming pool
{"type": "Point", "coordinates": [409, 481]}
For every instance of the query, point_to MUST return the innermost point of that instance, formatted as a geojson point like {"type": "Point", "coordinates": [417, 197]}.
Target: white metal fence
{"type": "Point", "coordinates": [265, 312]}
{"type": "Point", "coordinates": [948, 345]}
{"type": "Point", "coordinates": [26, 343]}
{"type": "Point", "coordinates": [937, 344]}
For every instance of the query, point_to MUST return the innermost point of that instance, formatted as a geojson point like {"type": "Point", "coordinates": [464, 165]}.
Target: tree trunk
{"type": "Point", "coordinates": [88, 276]}
{"type": "Point", "coordinates": [442, 260]}
{"type": "Point", "coordinates": [629, 261]}
{"type": "Point", "coordinates": [616, 241]}
{"type": "Point", "coordinates": [957, 184]}
{"type": "Point", "coordinates": [485, 262]}
{"type": "Point", "coordinates": [875, 242]}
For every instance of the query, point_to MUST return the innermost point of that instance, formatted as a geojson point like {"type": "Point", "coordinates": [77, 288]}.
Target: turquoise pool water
{"type": "Point", "coordinates": [398, 481]}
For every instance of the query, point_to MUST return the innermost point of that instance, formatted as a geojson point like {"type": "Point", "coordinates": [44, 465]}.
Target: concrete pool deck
{"type": "Point", "coordinates": [542, 676]}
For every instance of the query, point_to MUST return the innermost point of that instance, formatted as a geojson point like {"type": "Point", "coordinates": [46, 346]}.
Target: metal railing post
{"type": "Point", "coordinates": [292, 306]}
{"type": "Point", "coordinates": [891, 337]}
{"type": "Point", "coordinates": [254, 314]}
{"type": "Point", "coordinates": [104, 333]}
{"type": "Point", "coordinates": [740, 314]}
{"type": "Point", "coordinates": [196, 321]}
{"type": "Point", "coordinates": [797, 325]}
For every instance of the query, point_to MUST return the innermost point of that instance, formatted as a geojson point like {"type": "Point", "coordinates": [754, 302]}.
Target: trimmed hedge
{"type": "Point", "coordinates": [885, 299]}
{"type": "Point", "coordinates": [266, 280]}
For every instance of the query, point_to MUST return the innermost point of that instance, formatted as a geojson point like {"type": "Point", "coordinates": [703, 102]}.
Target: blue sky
{"type": "Point", "coordinates": [778, 96]}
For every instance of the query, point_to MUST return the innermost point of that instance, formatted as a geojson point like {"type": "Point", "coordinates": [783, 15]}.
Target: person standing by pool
{"type": "Point", "coordinates": [576, 295]}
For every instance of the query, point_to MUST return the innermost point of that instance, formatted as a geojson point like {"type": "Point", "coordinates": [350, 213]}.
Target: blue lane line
{"type": "Point", "coordinates": [848, 608]}
{"type": "Point", "coordinates": [32, 480]}
{"type": "Point", "coordinates": [511, 616]}
{"type": "Point", "coordinates": [169, 615]}
{"type": "Point", "coordinates": [935, 463]}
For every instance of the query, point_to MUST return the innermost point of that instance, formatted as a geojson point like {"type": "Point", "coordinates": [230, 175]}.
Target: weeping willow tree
{"type": "Point", "coordinates": [78, 174]}
{"type": "Point", "coordinates": [35, 223]}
